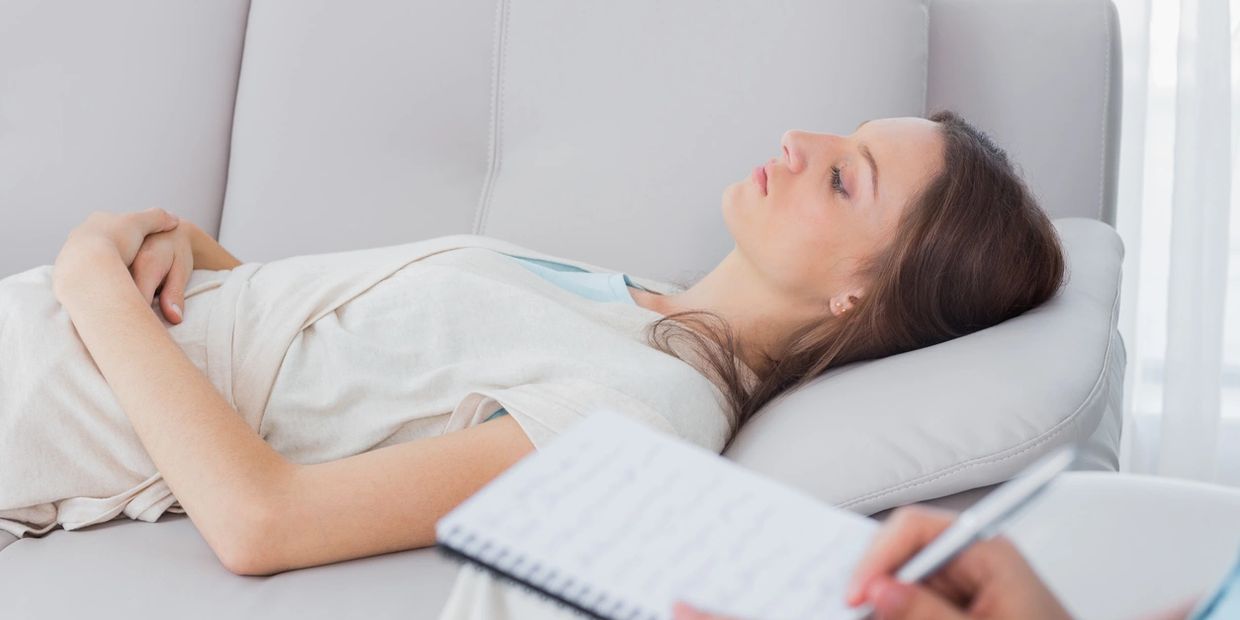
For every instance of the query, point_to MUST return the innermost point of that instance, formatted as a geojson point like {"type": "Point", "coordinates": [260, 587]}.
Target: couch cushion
{"type": "Point", "coordinates": [625, 121]}
{"type": "Point", "coordinates": [126, 569]}
{"type": "Point", "coordinates": [118, 106]}
{"type": "Point", "coordinates": [568, 128]}
{"type": "Point", "coordinates": [964, 413]}
{"type": "Point", "coordinates": [358, 124]}
{"type": "Point", "coordinates": [1019, 67]}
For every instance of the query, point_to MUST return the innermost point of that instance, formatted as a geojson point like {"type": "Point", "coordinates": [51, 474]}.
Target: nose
{"type": "Point", "coordinates": [790, 142]}
{"type": "Point", "coordinates": [798, 145]}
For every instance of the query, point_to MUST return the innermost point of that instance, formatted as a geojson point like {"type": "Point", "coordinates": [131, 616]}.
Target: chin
{"type": "Point", "coordinates": [736, 229]}
{"type": "Point", "coordinates": [728, 204]}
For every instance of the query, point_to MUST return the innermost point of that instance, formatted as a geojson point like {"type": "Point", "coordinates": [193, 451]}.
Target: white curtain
{"type": "Point", "coordinates": [1177, 214]}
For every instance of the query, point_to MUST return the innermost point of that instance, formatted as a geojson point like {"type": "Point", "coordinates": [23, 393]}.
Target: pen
{"type": "Point", "coordinates": [985, 518]}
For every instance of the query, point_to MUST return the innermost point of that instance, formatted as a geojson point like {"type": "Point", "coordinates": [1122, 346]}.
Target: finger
{"type": "Point", "coordinates": [157, 220]}
{"type": "Point", "coordinates": [903, 534]}
{"type": "Point", "coordinates": [148, 271]}
{"type": "Point", "coordinates": [172, 297]}
{"type": "Point", "coordinates": [683, 611]}
{"type": "Point", "coordinates": [894, 600]}
{"type": "Point", "coordinates": [953, 582]}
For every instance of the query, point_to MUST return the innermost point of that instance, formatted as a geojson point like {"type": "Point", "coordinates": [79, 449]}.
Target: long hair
{"type": "Point", "coordinates": [972, 249]}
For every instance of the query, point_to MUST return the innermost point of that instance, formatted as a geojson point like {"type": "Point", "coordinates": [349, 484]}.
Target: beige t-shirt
{"type": "Point", "coordinates": [443, 342]}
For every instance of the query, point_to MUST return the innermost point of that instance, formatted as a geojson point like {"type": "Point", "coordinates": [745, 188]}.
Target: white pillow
{"type": "Point", "coordinates": [964, 413]}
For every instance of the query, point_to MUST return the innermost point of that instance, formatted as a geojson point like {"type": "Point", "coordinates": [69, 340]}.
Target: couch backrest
{"type": "Point", "coordinates": [608, 132]}
{"type": "Point", "coordinates": [602, 131]}
{"type": "Point", "coordinates": [1043, 77]}
{"type": "Point", "coordinates": [373, 122]}
{"type": "Point", "coordinates": [115, 106]}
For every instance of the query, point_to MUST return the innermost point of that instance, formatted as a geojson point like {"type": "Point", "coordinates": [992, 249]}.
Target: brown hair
{"type": "Point", "coordinates": [972, 249]}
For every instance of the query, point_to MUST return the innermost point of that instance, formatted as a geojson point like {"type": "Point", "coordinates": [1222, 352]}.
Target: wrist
{"type": "Point", "coordinates": [76, 263]}
{"type": "Point", "coordinates": [195, 235]}
{"type": "Point", "coordinates": [208, 253]}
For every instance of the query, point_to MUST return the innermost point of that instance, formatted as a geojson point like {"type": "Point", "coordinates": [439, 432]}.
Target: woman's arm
{"type": "Point", "coordinates": [208, 253]}
{"type": "Point", "coordinates": [221, 472]}
{"type": "Point", "coordinates": [381, 501]}
{"type": "Point", "coordinates": [259, 513]}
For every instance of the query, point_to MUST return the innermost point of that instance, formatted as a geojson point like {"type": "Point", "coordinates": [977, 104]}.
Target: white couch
{"type": "Point", "coordinates": [599, 131]}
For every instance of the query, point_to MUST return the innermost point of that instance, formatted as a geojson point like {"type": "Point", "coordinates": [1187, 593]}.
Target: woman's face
{"type": "Point", "coordinates": [821, 215]}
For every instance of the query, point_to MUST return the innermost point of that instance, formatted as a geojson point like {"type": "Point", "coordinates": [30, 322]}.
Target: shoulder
{"type": "Point", "coordinates": [687, 404]}
{"type": "Point", "coordinates": [697, 409]}
{"type": "Point", "coordinates": [681, 406]}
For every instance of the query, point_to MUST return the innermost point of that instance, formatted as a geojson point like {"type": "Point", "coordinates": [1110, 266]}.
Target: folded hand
{"type": "Point", "coordinates": [162, 266]}
{"type": "Point", "coordinates": [147, 243]}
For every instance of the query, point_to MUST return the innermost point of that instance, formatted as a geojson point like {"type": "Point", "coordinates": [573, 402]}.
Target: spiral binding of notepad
{"type": "Point", "coordinates": [594, 602]}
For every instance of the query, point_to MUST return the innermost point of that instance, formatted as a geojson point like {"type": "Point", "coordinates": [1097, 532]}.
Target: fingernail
{"type": "Point", "coordinates": [853, 593]}
{"type": "Point", "coordinates": [176, 310]}
{"type": "Point", "coordinates": [684, 611]}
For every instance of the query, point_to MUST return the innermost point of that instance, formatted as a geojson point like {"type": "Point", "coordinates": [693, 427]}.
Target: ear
{"type": "Point", "coordinates": [844, 301]}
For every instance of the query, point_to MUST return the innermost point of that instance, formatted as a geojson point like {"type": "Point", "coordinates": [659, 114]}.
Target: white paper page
{"type": "Point", "coordinates": [626, 520]}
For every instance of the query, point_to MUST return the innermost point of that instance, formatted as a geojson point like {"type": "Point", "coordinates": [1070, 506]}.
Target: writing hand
{"type": "Point", "coordinates": [990, 579]}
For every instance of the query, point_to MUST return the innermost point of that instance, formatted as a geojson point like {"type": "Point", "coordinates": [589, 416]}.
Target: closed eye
{"type": "Point", "coordinates": [837, 183]}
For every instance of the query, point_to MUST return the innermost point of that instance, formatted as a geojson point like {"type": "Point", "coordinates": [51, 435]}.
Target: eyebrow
{"type": "Point", "coordinates": [865, 152]}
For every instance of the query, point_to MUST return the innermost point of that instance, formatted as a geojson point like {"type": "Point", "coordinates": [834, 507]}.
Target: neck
{"type": "Point", "coordinates": [760, 316]}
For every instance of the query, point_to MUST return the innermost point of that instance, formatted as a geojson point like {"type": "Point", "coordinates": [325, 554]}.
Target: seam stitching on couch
{"type": "Point", "coordinates": [925, 73]}
{"type": "Point", "coordinates": [232, 118]}
{"type": "Point", "coordinates": [497, 71]}
{"type": "Point", "coordinates": [1106, 99]}
{"type": "Point", "coordinates": [1091, 397]}
{"type": "Point", "coordinates": [499, 115]}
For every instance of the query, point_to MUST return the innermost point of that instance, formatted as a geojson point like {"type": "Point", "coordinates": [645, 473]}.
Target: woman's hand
{"type": "Point", "coordinates": [104, 234]}
{"type": "Point", "coordinates": [990, 579]}
{"type": "Point", "coordinates": [163, 264]}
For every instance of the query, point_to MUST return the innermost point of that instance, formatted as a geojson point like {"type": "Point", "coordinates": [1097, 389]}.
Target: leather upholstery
{"type": "Point", "coordinates": [556, 127]}
{"type": "Point", "coordinates": [1043, 77]}
{"type": "Point", "coordinates": [358, 124]}
{"type": "Point", "coordinates": [116, 107]}
{"type": "Point", "coordinates": [1126, 546]}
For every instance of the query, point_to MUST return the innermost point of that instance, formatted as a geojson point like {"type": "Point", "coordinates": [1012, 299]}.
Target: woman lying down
{"type": "Point", "coordinates": [332, 406]}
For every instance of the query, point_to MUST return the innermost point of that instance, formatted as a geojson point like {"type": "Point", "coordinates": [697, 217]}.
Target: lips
{"type": "Point", "coordinates": [759, 177]}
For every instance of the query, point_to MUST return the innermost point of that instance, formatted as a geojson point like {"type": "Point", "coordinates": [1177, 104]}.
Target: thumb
{"type": "Point", "coordinates": [896, 600]}
{"type": "Point", "coordinates": [172, 295]}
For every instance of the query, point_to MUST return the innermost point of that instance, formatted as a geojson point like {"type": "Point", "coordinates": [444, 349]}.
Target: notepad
{"type": "Point", "coordinates": [618, 520]}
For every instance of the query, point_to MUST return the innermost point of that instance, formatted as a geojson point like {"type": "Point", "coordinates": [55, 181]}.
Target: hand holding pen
{"type": "Point", "coordinates": [940, 564]}
{"type": "Point", "coordinates": [989, 579]}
